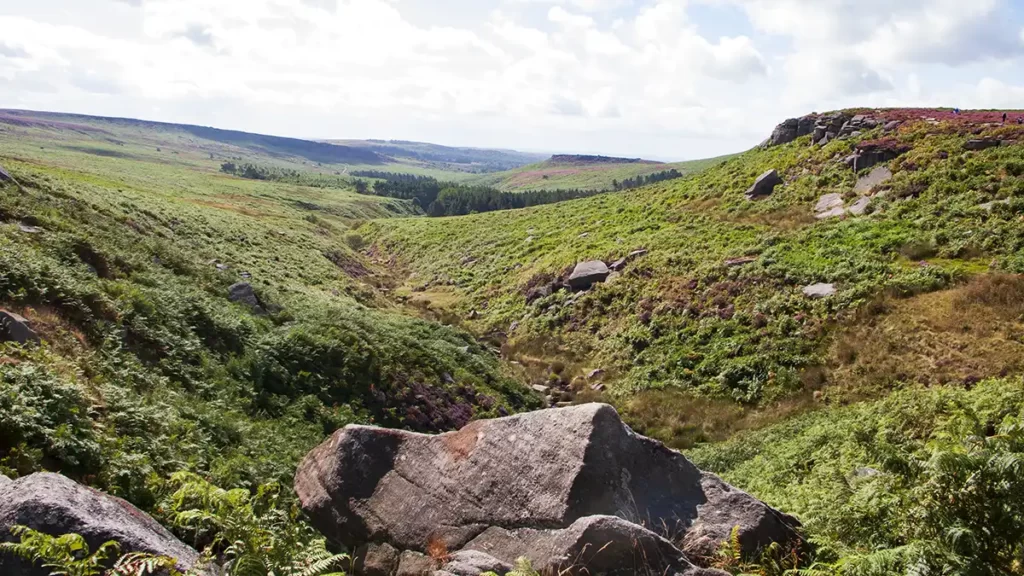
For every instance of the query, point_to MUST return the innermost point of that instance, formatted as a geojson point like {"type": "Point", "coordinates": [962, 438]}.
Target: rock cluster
{"type": "Point", "coordinates": [570, 489]}
{"type": "Point", "coordinates": [56, 505]}
{"type": "Point", "coordinates": [869, 154]}
{"type": "Point", "coordinates": [825, 128]}
{"type": "Point", "coordinates": [583, 277]}
{"type": "Point", "coordinates": [243, 293]}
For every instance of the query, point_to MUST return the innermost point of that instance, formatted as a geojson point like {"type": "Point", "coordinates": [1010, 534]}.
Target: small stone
{"type": "Point", "coordinates": [837, 212]}
{"type": "Point", "coordinates": [513, 326]}
{"type": "Point", "coordinates": [540, 388]}
{"type": "Point", "coordinates": [30, 229]}
{"type": "Point", "coordinates": [741, 261]}
{"type": "Point", "coordinates": [597, 387]}
{"type": "Point", "coordinates": [820, 290]}
{"type": "Point", "coordinates": [982, 143]}
{"type": "Point", "coordinates": [595, 374]}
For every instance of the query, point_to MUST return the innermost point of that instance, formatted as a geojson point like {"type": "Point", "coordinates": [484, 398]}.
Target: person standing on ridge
{"type": "Point", "coordinates": [1004, 117]}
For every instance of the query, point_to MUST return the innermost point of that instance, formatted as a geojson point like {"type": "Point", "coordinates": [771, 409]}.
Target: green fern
{"type": "Point", "coordinates": [69, 555]}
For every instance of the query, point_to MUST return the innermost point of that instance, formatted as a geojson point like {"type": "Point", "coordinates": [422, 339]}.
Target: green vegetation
{"type": "Point", "coordinates": [888, 417]}
{"type": "Point", "coordinates": [923, 481]}
{"type": "Point", "coordinates": [149, 369]}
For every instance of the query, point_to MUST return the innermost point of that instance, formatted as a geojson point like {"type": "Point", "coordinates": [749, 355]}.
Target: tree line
{"type": "Point", "coordinates": [638, 181]}
{"type": "Point", "coordinates": [438, 198]}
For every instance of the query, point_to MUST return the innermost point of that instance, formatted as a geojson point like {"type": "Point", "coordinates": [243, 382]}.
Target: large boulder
{"type": "Point", "coordinates": [15, 328]}
{"type": "Point", "coordinates": [982, 143]}
{"type": "Point", "coordinates": [56, 505]}
{"type": "Point", "coordinates": [586, 274]}
{"type": "Point", "coordinates": [540, 471]}
{"type": "Point", "coordinates": [764, 185]}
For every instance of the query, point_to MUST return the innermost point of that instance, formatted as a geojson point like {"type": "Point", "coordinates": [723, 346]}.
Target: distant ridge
{"type": "Point", "coordinates": [584, 159]}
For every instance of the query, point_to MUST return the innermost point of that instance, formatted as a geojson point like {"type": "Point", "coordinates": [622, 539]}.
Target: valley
{"type": "Point", "coordinates": [831, 321]}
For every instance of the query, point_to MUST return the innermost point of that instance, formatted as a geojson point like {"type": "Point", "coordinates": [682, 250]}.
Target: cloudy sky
{"type": "Point", "coordinates": [668, 79]}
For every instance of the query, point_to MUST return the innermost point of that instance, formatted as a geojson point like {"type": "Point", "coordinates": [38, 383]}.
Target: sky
{"type": "Point", "coordinates": [661, 79]}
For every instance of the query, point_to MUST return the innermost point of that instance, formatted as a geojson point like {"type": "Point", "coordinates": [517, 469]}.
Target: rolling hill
{"type": "Point", "coordinates": [832, 321]}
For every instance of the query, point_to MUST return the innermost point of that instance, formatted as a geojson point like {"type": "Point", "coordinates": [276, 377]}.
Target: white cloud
{"type": "Point", "coordinates": [616, 76]}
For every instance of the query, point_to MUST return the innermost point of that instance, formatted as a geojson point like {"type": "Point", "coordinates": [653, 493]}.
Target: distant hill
{"type": "Point", "coordinates": [570, 171]}
{"type": "Point", "coordinates": [472, 160]}
{"type": "Point", "coordinates": [275, 146]}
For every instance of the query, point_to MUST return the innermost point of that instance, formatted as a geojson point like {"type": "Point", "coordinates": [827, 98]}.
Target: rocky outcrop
{"type": "Point", "coordinates": [791, 129]}
{"type": "Point", "coordinates": [243, 293]}
{"type": "Point", "coordinates": [15, 328]}
{"type": "Point", "coordinates": [542, 484]}
{"type": "Point", "coordinates": [764, 185]}
{"type": "Point", "coordinates": [586, 274]}
{"type": "Point", "coordinates": [56, 505]}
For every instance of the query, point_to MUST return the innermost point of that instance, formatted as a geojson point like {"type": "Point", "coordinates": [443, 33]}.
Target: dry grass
{"type": "Point", "coordinates": [681, 420]}
{"type": "Point", "coordinates": [956, 336]}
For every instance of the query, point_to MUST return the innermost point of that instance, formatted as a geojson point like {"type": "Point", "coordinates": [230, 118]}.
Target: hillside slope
{"type": "Point", "coordinates": [197, 321]}
{"type": "Point", "coordinates": [715, 314]}
{"type": "Point", "coordinates": [450, 158]}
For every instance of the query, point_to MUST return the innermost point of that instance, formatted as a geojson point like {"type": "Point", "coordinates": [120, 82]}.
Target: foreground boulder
{"type": "Point", "coordinates": [586, 274]}
{"type": "Point", "coordinates": [56, 505]}
{"type": "Point", "coordinates": [543, 484]}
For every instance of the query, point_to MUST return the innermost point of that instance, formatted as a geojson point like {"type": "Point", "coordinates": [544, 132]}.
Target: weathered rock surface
{"type": "Point", "coordinates": [819, 290]}
{"type": "Point", "coordinates": [5, 176]}
{"type": "Point", "coordinates": [376, 560]}
{"type": "Point", "coordinates": [764, 185]}
{"type": "Point", "coordinates": [523, 480]}
{"type": "Point", "coordinates": [879, 175]}
{"type": "Point", "coordinates": [828, 202]}
{"type": "Point", "coordinates": [586, 274]}
{"type": "Point", "coordinates": [56, 505]}
{"type": "Point", "coordinates": [474, 563]}
{"type": "Point", "coordinates": [412, 563]}
{"type": "Point", "coordinates": [869, 154]}
{"type": "Point", "coordinates": [243, 293]}
{"type": "Point", "coordinates": [859, 207]}
{"type": "Point", "coordinates": [15, 328]}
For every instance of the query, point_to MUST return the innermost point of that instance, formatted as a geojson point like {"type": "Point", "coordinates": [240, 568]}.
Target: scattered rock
{"type": "Point", "coordinates": [15, 328]}
{"type": "Point", "coordinates": [56, 505]}
{"type": "Point", "coordinates": [865, 472]}
{"type": "Point", "coordinates": [586, 274]}
{"type": "Point", "coordinates": [367, 484]}
{"type": "Point", "coordinates": [982, 143]}
{"type": "Point", "coordinates": [597, 387]}
{"type": "Point", "coordinates": [890, 126]}
{"type": "Point", "coordinates": [869, 154]}
{"type": "Point", "coordinates": [223, 267]}
{"type": "Point", "coordinates": [617, 265]}
{"type": "Point", "coordinates": [242, 293]}
{"type": "Point", "coordinates": [30, 229]}
{"type": "Point", "coordinates": [636, 254]}
{"type": "Point", "coordinates": [819, 290]}
{"type": "Point", "coordinates": [764, 185]}
{"type": "Point", "coordinates": [837, 212]}
{"type": "Point", "coordinates": [879, 175]}
{"type": "Point", "coordinates": [860, 206]}
{"type": "Point", "coordinates": [990, 205]}
{"type": "Point", "coordinates": [540, 388]}
{"type": "Point", "coordinates": [595, 374]}
{"type": "Point", "coordinates": [376, 560]}
{"type": "Point", "coordinates": [512, 327]}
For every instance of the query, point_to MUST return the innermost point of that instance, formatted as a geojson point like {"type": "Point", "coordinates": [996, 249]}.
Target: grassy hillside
{"type": "Point", "coordinates": [120, 246]}
{"type": "Point", "coordinates": [692, 343]}
{"type": "Point", "coordinates": [568, 172]}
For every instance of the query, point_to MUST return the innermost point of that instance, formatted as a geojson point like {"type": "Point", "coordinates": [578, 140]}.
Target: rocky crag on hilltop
{"type": "Point", "coordinates": [574, 490]}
